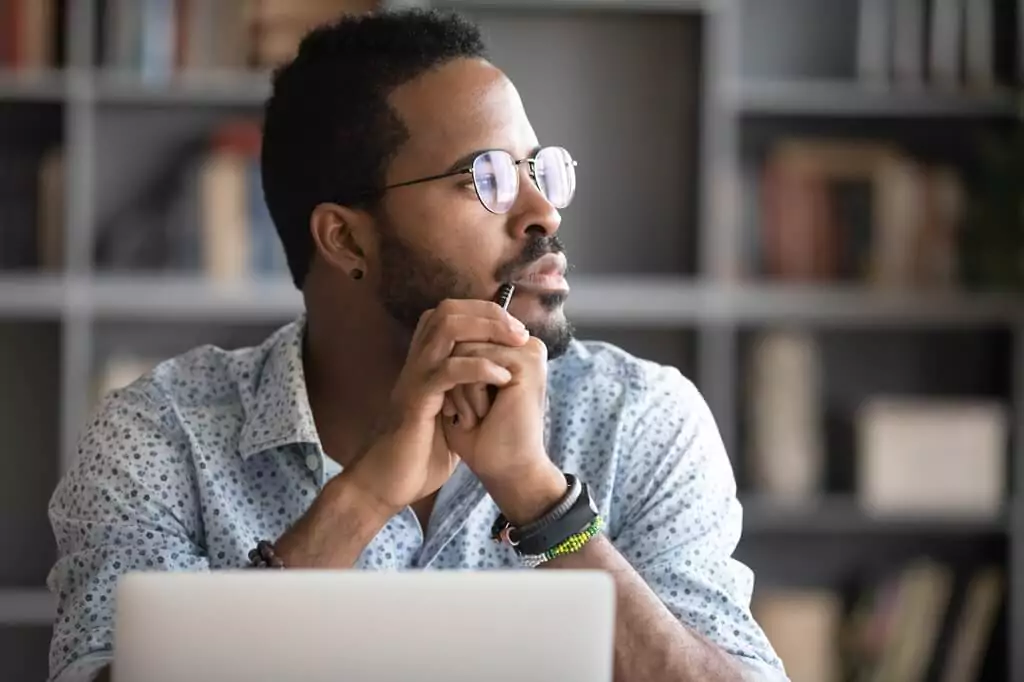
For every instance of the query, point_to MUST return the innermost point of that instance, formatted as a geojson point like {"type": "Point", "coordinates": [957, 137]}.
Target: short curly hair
{"type": "Point", "coordinates": [328, 131]}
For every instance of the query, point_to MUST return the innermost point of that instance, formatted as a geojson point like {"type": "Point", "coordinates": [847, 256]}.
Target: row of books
{"type": "Point", "coordinates": [32, 35]}
{"type": "Point", "coordinates": [855, 210]}
{"type": "Point", "coordinates": [945, 44]}
{"type": "Point", "coordinates": [205, 215]}
{"type": "Point", "coordinates": [960, 442]}
{"type": "Point", "coordinates": [158, 38]}
{"type": "Point", "coordinates": [32, 209]}
{"type": "Point", "coordinates": [922, 621]}
{"type": "Point", "coordinates": [825, 211]}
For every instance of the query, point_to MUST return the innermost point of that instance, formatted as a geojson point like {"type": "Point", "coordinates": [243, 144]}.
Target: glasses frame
{"type": "Point", "coordinates": [531, 162]}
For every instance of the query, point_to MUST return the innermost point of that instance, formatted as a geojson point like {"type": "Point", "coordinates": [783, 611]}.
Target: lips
{"type": "Point", "coordinates": [547, 272]}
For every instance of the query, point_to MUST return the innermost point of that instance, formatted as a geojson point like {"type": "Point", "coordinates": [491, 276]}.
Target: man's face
{"type": "Point", "coordinates": [437, 240]}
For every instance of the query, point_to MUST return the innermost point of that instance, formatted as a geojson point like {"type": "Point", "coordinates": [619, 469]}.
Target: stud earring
{"type": "Point", "coordinates": [356, 274]}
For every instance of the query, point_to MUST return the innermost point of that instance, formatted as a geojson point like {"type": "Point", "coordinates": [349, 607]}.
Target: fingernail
{"type": "Point", "coordinates": [518, 326]}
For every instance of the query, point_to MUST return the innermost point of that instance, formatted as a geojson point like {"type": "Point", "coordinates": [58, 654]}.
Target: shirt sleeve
{"type": "Point", "coordinates": [683, 521]}
{"type": "Point", "coordinates": [129, 502]}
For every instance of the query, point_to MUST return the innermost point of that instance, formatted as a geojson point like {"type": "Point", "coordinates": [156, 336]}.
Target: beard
{"type": "Point", "coordinates": [413, 282]}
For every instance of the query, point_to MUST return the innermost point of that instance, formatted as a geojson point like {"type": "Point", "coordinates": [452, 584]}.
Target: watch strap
{"type": "Point", "coordinates": [579, 516]}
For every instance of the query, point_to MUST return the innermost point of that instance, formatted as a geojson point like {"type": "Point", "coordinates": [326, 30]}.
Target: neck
{"type": "Point", "coordinates": [351, 363]}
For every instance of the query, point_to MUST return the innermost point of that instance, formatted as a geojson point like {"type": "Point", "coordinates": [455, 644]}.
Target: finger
{"type": "Point", "coordinates": [452, 372]}
{"type": "Point", "coordinates": [467, 417]}
{"type": "Point", "coordinates": [533, 352]}
{"type": "Point", "coordinates": [479, 399]}
{"type": "Point", "coordinates": [448, 407]}
{"type": "Point", "coordinates": [445, 331]}
{"type": "Point", "coordinates": [421, 325]}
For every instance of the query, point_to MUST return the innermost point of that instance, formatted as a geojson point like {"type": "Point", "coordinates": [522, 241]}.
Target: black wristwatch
{"type": "Point", "coordinates": [573, 513]}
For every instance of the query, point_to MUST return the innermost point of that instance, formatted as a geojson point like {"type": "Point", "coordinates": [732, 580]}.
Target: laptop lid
{"type": "Point", "coordinates": [364, 626]}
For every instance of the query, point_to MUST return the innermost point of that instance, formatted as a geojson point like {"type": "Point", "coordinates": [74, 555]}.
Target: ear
{"type": "Point", "coordinates": [342, 237]}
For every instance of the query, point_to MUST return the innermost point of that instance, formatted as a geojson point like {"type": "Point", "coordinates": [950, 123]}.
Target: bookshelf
{"type": "Point", "coordinates": [662, 265]}
{"type": "Point", "coordinates": [836, 97]}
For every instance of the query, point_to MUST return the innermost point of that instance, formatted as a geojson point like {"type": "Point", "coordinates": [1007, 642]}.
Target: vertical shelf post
{"type": "Point", "coordinates": [76, 336]}
{"type": "Point", "coordinates": [719, 226]}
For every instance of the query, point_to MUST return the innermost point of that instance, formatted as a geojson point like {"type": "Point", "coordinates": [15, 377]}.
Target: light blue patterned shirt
{"type": "Point", "coordinates": [193, 463]}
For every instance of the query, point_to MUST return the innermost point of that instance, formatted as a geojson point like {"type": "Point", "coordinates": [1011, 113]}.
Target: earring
{"type": "Point", "coordinates": [356, 274]}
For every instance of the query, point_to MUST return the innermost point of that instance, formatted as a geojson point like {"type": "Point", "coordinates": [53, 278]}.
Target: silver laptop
{"type": "Point", "coordinates": [363, 626]}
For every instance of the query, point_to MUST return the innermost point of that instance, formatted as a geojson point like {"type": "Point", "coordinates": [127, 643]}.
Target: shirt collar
{"type": "Point", "coordinates": [278, 411]}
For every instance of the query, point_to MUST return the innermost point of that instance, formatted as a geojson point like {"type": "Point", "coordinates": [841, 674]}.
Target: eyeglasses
{"type": "Point", "coordinates": [496, 177]}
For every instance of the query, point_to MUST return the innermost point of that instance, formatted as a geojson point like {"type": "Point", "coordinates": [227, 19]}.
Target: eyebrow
{"type": "Point", "coordinates": [467, 159]}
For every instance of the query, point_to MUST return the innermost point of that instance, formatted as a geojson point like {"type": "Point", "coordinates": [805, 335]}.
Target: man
{"type": "Point", "coordinates": [392, 424]}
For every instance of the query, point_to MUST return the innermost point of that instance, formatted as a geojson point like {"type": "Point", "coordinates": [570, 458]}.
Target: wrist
{"type": "Point", "coordinates": [525, 495]}
{"type": "Point", "coordinates": [348, 496]}
{"type": "Point", "coordinates": [335, 530]}
{"type": "Point", "coordinates": [367, 483]}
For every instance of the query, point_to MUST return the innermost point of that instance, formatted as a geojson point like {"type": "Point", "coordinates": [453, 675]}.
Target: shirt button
{"type": "Point", "coordinates": [312, 462]}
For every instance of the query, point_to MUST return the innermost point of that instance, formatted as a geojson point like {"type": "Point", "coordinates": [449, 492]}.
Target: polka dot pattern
{"type": "Point", "coordinates": [189, 466]}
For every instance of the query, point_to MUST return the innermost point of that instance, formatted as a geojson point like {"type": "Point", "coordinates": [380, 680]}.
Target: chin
{"type": "Point", "coordinates": [555, 331]}
{"type": "Point", "coordinates": [544, 317]}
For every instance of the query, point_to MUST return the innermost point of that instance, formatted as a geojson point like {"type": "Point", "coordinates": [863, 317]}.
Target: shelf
{"type": "Point", "coordinates": [847, 99]}
{"type": "Point", "coordinates": [631, 5]}
{"type": "Point", "coordinates": [615, 301]}
{"type": "Point", "coordinates": [842, 515]}
{"type": "Point", "coordinates": [33, 86]}
{"type": "Point", "coordinates": [230, 88]}
{"type": "Point", "coordinates": [170, 298]}
{"type": "Point", "coordinates": [31, 296]}
{"type": "Point", "coordinates": [26, 607]}
{"type": "Point", "coordinates": [851, 305]}
{"type": "Point", "coordinates": [668, 302]}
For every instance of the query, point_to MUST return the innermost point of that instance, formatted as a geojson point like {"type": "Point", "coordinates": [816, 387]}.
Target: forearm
{"type": "Point", "coordinates": [335, 530]}
{"type": "Point", "coordinates": [651, 645]}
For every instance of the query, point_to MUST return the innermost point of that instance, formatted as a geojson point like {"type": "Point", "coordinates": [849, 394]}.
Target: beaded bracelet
{"type": "Point", "coordinates": [570, 545]}
{"type": "Point", "coordinates": [264, 556]}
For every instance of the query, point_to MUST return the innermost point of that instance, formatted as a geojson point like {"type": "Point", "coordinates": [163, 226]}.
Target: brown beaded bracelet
{"type": "Point", "coordinates": [264, 556]}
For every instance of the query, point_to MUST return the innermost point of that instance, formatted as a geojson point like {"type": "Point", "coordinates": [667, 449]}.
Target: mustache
{"type": "Point", "coordinates": [536, 248]}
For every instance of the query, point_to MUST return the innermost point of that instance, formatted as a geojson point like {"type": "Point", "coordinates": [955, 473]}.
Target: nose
{"type": "Point", "coordinates": [532, 212]}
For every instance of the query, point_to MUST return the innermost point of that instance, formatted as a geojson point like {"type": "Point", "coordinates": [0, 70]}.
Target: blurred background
{"type": "Point", "coordinates": [813, 208]}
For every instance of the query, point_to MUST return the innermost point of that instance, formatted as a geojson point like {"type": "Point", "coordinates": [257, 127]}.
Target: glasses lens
{"type": "Point", "coordinates": [497, 180]}
{"type": "Point", "coordinates": [556, 175]}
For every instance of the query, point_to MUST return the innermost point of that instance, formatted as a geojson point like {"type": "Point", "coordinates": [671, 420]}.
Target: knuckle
{"type": "Point", "coordinates": [537, 348]}
{"type": "Point", "coordinates": [469, 349]}
{"type": "Point", "coordinates": [425, 319]}
{"type": "Point", "coordinates": [448, 324]}
{"type": "Point", "coordinates": [448, 306]}
{"type": "Point", "coordinates": [427, 324]}
{"type": "Point", "coordinates": [446, 367]}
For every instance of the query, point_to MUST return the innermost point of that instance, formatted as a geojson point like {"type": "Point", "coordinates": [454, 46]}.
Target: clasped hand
{"type": "Point", "coordinates": [458, 350]}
